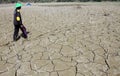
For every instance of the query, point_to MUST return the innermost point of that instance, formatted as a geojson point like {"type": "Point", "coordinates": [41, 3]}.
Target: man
{"type": "Point", "coordinates": [18, 23]}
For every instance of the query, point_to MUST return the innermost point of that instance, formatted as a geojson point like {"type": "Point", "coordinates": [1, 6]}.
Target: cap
{"type": "Point", "coordinates": [18, 5]}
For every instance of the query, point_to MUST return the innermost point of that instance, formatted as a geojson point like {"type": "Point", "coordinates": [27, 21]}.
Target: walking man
{"type": "Point", "coordinates": [18, 23]}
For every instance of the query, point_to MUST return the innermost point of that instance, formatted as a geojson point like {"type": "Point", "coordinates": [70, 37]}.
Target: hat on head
{"type": "Point", "coordinates": [18, 5]}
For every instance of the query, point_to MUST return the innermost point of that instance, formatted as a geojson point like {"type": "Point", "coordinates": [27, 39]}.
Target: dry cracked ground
{"type": "Point", "coordinates": [65, 39]}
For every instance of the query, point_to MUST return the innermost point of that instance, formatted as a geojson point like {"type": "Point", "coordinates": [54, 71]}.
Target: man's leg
{"type": "Point", "coordinates": [16, 30]}
{"type": "Point", "coordinates": [23, 29]}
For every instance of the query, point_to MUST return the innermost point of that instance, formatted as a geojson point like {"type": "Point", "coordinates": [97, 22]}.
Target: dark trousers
{"type": "Point", "coordinates": [16, 31]}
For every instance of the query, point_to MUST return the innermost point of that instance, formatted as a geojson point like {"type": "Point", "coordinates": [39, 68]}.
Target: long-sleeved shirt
{"type": "Point", "coordinates": [17, 17]}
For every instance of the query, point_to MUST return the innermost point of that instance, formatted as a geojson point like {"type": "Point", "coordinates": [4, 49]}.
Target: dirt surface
{"type": "Point", "coordinates": [65, 39]}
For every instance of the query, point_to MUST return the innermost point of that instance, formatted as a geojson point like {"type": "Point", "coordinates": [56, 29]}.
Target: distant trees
{"type": "Point", "coordinates": [13, 1]}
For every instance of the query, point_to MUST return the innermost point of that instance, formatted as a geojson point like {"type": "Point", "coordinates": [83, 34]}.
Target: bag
{"type": "Point", "coordinates": [24, 32]}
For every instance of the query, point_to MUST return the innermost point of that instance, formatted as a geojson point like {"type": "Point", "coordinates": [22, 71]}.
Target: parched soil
{"type": "Point", "coordinates": [65, 39]}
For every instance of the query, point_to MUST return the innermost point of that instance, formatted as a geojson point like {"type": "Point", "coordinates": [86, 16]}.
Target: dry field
{"type": "Point", "coordinates": [65, 39]}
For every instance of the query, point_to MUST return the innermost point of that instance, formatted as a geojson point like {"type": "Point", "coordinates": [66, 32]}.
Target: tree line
{"type": "Point", "coordinates": [13, 1]}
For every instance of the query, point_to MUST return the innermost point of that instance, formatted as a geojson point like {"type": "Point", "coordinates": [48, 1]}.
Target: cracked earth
{"type": "Point", "coordinates": [76, 39]}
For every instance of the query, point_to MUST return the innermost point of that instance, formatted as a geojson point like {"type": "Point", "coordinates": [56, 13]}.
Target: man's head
{"type": "Point", "coordinates": [18, 5]}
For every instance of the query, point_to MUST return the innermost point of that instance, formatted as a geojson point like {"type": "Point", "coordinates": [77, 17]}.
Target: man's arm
{"type": "Point", "coordinates": [18, 17]}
